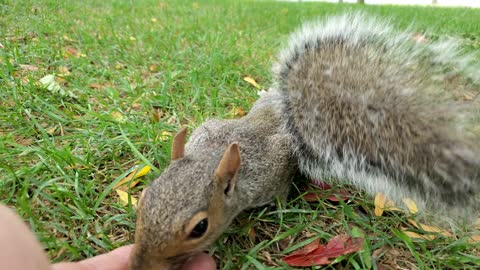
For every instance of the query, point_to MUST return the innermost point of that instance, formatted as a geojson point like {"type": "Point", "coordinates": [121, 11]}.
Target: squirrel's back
{"type": "Point", "coordinates": [376, 108]}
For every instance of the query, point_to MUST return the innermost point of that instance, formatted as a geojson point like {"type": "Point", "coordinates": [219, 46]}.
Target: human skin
{"type": "Point", "coordinates": [20, 250]}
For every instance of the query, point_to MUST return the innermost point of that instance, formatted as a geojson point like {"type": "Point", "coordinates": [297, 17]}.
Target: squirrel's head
{"type": "Point", "coordinates": [186, 208]}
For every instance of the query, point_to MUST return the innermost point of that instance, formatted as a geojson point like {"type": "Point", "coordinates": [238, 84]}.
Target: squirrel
{"type": "Point", "coordinates": [353, 99]}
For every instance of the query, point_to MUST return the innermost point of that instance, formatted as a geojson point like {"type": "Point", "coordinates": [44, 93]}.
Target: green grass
{"type": "Point", "coordinates": [161, 65]}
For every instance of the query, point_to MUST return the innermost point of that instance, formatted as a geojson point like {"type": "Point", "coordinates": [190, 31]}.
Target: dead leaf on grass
{"type": "Point", "coordinates": [51, 84]}
{"type": "Point", "coordinates": [430, 229]}
{"type": "Point", "coordinates": [123, 198]}
{"type": "Point", "coordinates": [251, 81]}
{"type": "Point", "coordinates": [318, 254]}
{"type": "Point", "coordinates": [28, 67]}
{"type": "Point", "coordinates": [411, 205]}
{"type": "Point", "coordinates": [382, 203]}
{"type": "Point", "coordinates": [414, 235]}
{"type": "Point", "coordinates": [136, 174]}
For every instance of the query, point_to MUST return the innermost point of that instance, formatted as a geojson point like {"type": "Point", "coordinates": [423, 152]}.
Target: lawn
{"type": "Point", "coordinates": [130, 74]}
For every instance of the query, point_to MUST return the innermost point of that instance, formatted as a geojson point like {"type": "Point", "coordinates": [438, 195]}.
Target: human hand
{"type": "Point", "coordinates": [118, 260]}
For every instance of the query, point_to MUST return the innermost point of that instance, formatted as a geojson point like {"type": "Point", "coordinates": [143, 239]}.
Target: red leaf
{"type": "Point", "coordinates": [321, 255]}
{"type": "Point", "coordinates": [322, 185]}
{"type": "Point", "coordinates": [335, 197]}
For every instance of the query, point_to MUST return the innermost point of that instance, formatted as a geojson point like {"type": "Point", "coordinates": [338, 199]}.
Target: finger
{"type": "Point", "coordinates": [200, 262]}
{"type": "Point", "coordinates": [17, 242]}
{"type": "Point", "coordinates": [113, 260]}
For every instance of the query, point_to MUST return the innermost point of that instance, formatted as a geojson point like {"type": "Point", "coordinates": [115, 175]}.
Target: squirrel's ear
{"type": "Point", "coordinates": [178, 146]}
{"type": "Point", "coordinates": [228, 168]}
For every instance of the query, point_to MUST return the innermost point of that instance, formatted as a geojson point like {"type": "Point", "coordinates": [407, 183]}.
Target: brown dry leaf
{"type": "Point", "coordinates": [123, 197]}
{"type": "Point", "coordinates": [414, 235]}
{"type": "Point", "coordinates": [474, 239]}
{"type": "Point", "coordinates": [238, 112]}
{"type": "Point", "coordinates": [411, 205]}
{"type": "Point", "coordinates": [136, 174]}
{"type": "Point", "coordinates": [251, 81]}
{"type": "Point", "coordinates": [469, 96]}
{"type": "Point", "coordinates": [430, 229]}
{"type": "Point", "coordinates": [96, 86]}
{"type": "Point", "coordinates": [28, 67]}
{"type": "Point", "coordinates": [252, 234]}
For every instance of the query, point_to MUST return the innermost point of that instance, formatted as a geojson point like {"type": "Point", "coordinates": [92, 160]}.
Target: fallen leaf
{"type": "Point", "coordinates": [340, 195]}
{"type": "Point", "coordinates": [238, 112]}
{"type": "Point", "coordinates": [133, 175]}
{"type": "Point", "coordinates": [430, 229]}
{"type": "Point", "coordinates": [117, 116]}
{"type": "Point", "coordinates": [322, 185]}
{"type": "Point", "coordinates": [153, 68]}
{"type": "Point", "coordinates": [123, 197]}
{"type": "Point", "coordinates": [317, 254]}
{"type": "Point", "coordinates": [164, 136]}
{"type": "Point", "coordinates": [133, 38]}
{"type": "Point", "coordinates": [420, 38]}
{"type": "Point", "coordinates": [252, 234]}
{"type": "Point", "coordinates": [411, 205]}
{"type": "Point", "coordinates": [96, 86]}
{"type": "Point", "coordinates": [50, 83]}
{"type": "Point", "coordinates": [51, 130]}
{"type": "Point", "coordinates": [474, 239]}
{"type": "Point", "coordinates": [252, 82]}
{"type": "Point", "coordinates": [414, 235]}
{"type": "Point", "coordinates": [63, 71]}
{"type": "Point", "coordinates": [154, 20]}
{"type": "Point", "coordinates": [28, 67]}
{"type": "Point", "coordinates": [382, 203]}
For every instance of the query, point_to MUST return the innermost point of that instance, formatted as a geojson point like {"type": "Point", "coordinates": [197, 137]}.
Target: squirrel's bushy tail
{"type": "Point", "coordinates": [380, 110]}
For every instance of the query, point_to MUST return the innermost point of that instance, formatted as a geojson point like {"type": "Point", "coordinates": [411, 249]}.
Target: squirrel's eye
{"type": "Point", "coordinates": [199, 229]}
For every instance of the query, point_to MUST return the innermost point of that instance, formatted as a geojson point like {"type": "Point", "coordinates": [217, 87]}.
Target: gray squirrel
{"type": "Point", "coordinates": [352, 99]}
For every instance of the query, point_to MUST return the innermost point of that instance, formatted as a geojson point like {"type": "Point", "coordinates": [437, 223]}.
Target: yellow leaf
{"type": "Point", "coordinates": [382, 203]}
{"type": "Point", "coordinates": [474, 239]}
{"type": "Point", "coordinates": [238, 112]}
{"type": "Point", "coordinates": [133, 175]}
{"type": "Point", "coordinates": [63, 71]}
{"type": "Point", "coordinates": [430, 229]}
{"type": "Point", "coordinates": [133, 38]}
{"type": "Point", "coordinates": [411, 205]}
{"type": "Point", "coordinates": [154, 20]}
{"type": "Point", "coordinates": [164, 136]}
{"type": "Point", "coordinates": [415, 235]}
{"type": "Point", "coordinates": [117, 116]}
{"type": "Point", "coordinates": [252, 82]}
{"type": "Point", "coordinates": [379, 204]}
{"type": "Point", "coordinates": [153, 68]}
{"type": "Point", "coordinates": [51, 130]}
{"type": "Point", "coordinates": [123, 197]}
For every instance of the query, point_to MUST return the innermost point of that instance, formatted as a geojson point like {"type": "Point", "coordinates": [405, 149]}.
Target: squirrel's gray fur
{"type": "Point", "coordinates": [353, 99]}
{"type": "Point", "coordinates": [375, 109]}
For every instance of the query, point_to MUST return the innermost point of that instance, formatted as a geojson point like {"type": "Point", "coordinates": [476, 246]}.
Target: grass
{"type": "Point", "coordinates": [140, 70]}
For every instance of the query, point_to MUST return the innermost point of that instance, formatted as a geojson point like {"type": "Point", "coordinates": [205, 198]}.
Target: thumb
{"type": "Point", "coordinates": [113, 260]}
